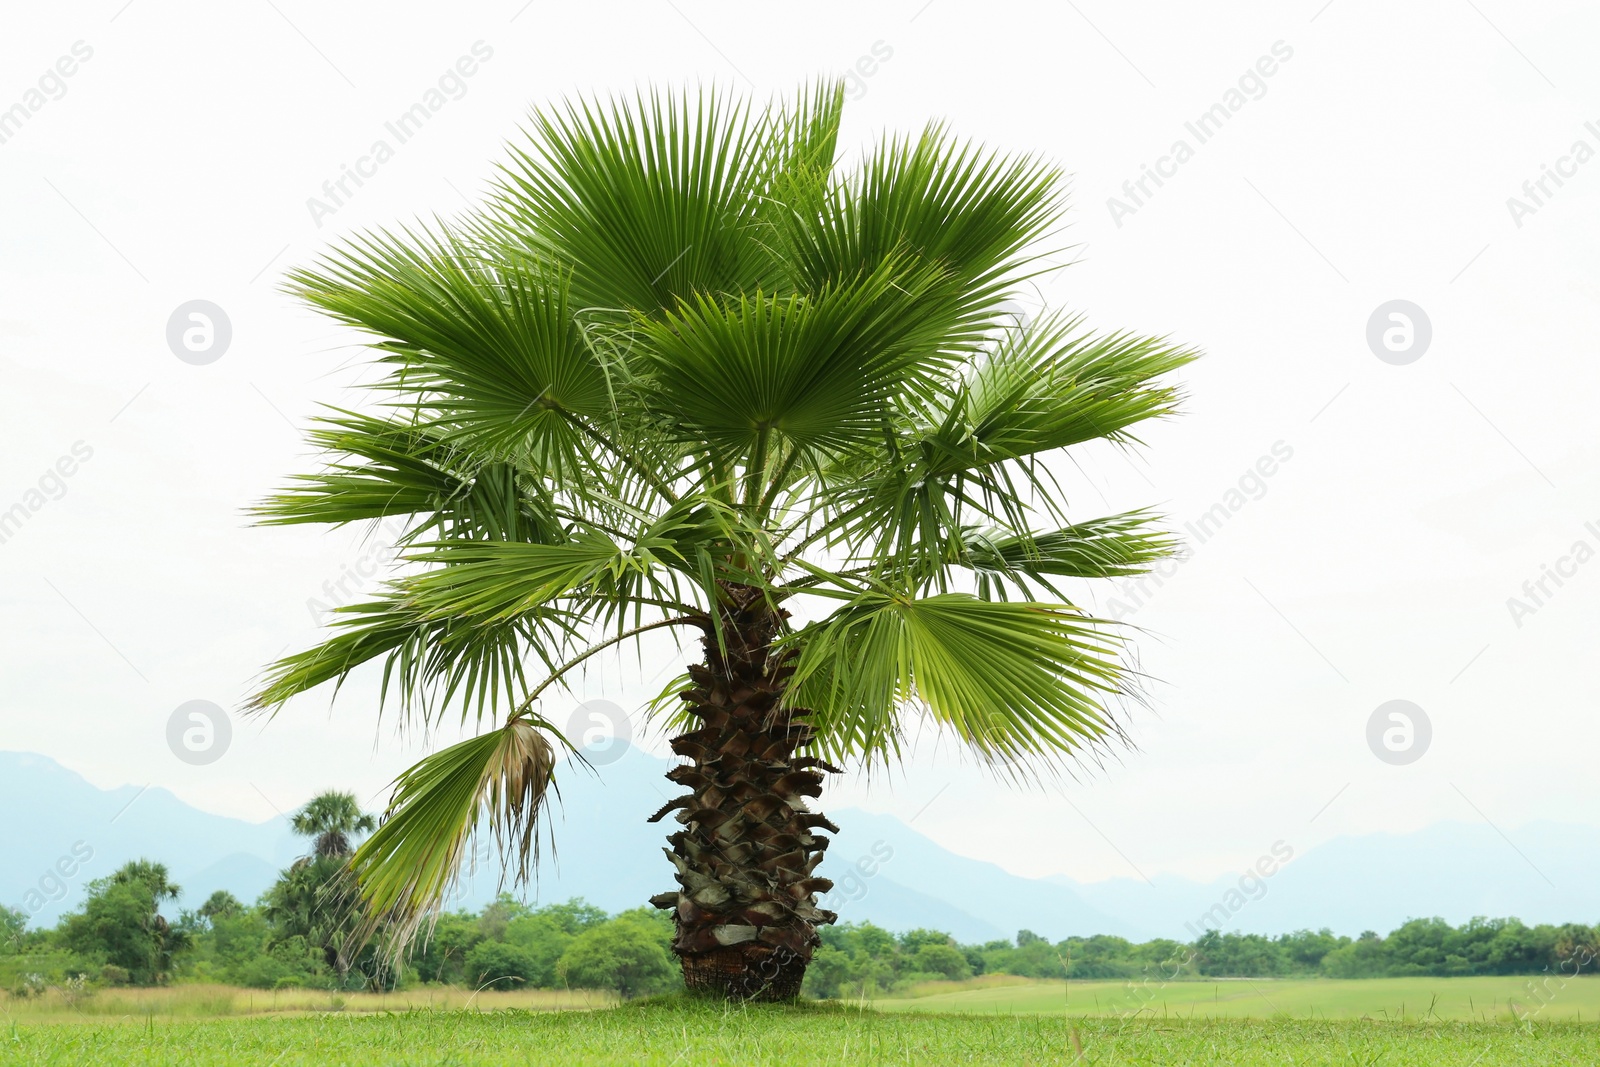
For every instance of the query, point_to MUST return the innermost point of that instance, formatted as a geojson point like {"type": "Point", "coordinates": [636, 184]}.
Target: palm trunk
{"type": "Point", "coordinates": [745, 909]}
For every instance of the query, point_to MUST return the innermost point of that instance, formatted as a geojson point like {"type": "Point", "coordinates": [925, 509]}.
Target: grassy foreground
{"type": "Point", "coordinates": [1476, 999]}
{"type": "Point", "coordinates": [677, 1032]}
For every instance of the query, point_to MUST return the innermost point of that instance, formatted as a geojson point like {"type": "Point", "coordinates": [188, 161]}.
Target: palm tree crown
{"type": "Point", "coordinates": [152, 876]}
{"type": "Point", "coordinates": [687, 367]}
{"type": "Point", "coordinates": [329, 819]}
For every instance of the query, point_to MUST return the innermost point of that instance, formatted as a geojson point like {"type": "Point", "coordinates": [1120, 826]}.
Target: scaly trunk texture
{"type": "Point", "coordinates": [745, 910]}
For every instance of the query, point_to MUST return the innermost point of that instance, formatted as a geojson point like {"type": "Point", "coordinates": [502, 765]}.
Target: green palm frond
{"type": "Point", "coordinates": [1112, 547]}
{"type": "Point", "coordinates": [1040, 391]}
{"type": "Point", "coordinates": [385, 468]}
{"type": "Point", "coordinates": [804, 138]}
{"type": "Point", "coordinates": [428, 663]}
{"type": "Point", "coordinates": [647, 201]}
{"type": "Point", "coordinates": [494, 582]}
{"type": "Point", "coordinates": [970, 212]}
{"type": "Point", "coordinates": [489, 344]}
{"type": "Point", "coordinates": [1058, 385]}
{"type": "Point", "coordinates": [1015, 681]}
{"type": "Point", "coordinates": [811, 372]}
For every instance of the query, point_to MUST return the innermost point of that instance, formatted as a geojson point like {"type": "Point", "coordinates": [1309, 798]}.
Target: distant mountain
{"type": "Point", "coordinates": [988, 902]}
{"type": "Point", "coordinates": [1546, 872]}
{"type": "Point", "coordinates": [885, 871]}
{"type": "Point", "coordinates": [53, 814]}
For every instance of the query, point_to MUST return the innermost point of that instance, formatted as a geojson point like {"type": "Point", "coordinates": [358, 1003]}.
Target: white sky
{"type": "Point", "coordinates": [1377, 165]}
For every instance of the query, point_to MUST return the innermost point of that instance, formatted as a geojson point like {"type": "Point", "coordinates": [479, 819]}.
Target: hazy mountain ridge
{"type": "Point", "coordinates": [884, 870]}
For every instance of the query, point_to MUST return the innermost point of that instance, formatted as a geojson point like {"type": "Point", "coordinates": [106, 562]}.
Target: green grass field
{"type": "Point", "coordinates": [682, 1034]}
{"type": "Point", "coordinates": [1389, 1022]}
{"type": "Point", "coordinates": [1398, 999]}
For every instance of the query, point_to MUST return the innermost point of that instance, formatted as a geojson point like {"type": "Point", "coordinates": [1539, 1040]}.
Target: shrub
{"type": "Point", "coordinates": [31, 984]}
{"type": "Point", "coordinates": [497, 965]}
{"type": "Point", "coordinates": [626, 954]}
{"type": "Point", "coordinates": [944, 961]}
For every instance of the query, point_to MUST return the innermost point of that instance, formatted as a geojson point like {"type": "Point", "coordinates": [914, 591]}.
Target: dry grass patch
{"type": "Point", "coordinates": [219, 1001]}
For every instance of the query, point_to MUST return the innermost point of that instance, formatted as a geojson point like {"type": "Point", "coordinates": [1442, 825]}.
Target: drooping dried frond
{"type": "Point", "coordinates": [495, 782]}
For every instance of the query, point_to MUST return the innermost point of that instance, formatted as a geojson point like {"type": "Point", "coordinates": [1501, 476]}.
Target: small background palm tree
{"type": "Point", "coordinates": [330, 819]}
{"type": "Point", "coordinates": [689, 369]}
{"type": "Point", "coordinates": [314, 899]}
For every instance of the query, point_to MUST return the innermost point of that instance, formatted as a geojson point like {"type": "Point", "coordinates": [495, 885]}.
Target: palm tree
{"type": "Point", "coordinates": [330, 818]}
{"type": "Point", "coordinates": [312, 899]}
{"type": "Point", "coordinates": [154, 879]}
{"type": "Point", "coordinates": [152, 876]}
{"type": "Point", "coordinates": [687, 369]}
{"type": "Point", "coordinates": [121, 922]}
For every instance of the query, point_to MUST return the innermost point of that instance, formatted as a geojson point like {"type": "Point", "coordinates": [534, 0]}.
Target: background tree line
{"type": "Point", "coordinates": [120, 937]}
{"type": "Point", "coordinates": [303, 931]}
{"type": "Point", "coordinates": [864, 959]}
